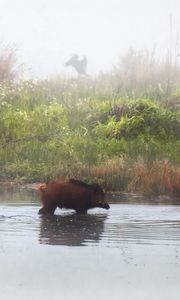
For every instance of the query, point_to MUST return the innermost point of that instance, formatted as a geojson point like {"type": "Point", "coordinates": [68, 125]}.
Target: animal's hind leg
{"type": "Point", "coordinates": [47, 210]}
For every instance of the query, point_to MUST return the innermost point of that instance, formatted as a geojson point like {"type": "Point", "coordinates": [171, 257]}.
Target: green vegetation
{"type": "Point", "coordinates": [89, 129]}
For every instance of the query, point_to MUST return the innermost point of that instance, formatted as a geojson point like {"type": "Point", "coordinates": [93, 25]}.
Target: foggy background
{"type": "Point", "coordinates": [46, 33]}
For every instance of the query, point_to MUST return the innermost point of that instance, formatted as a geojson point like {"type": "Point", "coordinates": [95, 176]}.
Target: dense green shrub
{"type": "Point", "coordinates": [143, 118]}
{"type": "Point", "coordinates": [50, 129]}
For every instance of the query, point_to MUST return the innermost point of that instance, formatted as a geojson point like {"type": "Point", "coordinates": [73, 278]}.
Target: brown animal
{"type": "Point", "coordinates": [73, 194]}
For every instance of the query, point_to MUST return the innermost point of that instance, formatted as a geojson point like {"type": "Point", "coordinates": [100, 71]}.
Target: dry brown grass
{"type": "Point", "coordinates": [122, 174]}
{"type": "Point", "coordinates": [112, 174]}
{"type": "Point", "coordinates": [160, 177]}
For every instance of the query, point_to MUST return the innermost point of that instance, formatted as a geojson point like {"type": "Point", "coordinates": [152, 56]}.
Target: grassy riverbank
{"type": "Point", "coordinates": [74, 128]}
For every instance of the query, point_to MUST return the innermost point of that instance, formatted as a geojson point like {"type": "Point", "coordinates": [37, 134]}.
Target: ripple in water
{"type": "Point", "coordinates": [128, 252]}
{"type": "Point", "coordinates": [139, 224]}
{"type": "Point", "coordinates": [143, 224]}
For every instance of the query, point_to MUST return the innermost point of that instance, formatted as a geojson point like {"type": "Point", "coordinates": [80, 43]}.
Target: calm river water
{"type": "Point", "coordinates": [130, 252]}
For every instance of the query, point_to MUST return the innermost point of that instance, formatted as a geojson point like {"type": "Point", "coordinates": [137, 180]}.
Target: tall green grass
{"type": "Point", "coordinates": [67, 128]}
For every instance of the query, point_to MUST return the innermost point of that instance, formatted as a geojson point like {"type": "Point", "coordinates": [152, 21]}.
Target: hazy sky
{"type": "Point", "coordinates": [48, 32]}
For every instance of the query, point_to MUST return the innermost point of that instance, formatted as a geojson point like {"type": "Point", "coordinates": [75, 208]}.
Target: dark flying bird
{"type": "Point", "coordinates": [80, 65]}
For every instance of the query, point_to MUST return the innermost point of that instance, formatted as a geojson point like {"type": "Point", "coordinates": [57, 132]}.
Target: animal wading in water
{"type": "Point", "coordinates": [72, 194]}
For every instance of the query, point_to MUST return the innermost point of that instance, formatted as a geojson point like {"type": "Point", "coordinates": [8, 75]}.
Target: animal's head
{"type": "Point", "coordinates": [98, 197]}
{"type": "Point", "coordinates": [73, 60]}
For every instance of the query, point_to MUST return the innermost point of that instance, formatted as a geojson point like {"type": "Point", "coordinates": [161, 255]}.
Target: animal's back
{"type": "Point", "coordinates": [67, 194]}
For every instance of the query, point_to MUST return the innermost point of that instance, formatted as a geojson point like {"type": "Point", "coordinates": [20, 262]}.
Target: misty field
{"type": "Point", "coordinates": [121, 129]}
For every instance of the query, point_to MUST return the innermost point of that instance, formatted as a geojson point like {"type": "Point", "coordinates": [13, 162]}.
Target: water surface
{"type": "Point", "coordinates": [131, 251]}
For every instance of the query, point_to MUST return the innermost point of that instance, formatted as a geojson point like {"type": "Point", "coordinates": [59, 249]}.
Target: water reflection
{"type": "Point", "coordinates": [71, 230]}
{"type": "Point", "coordinates": [133, 251]}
